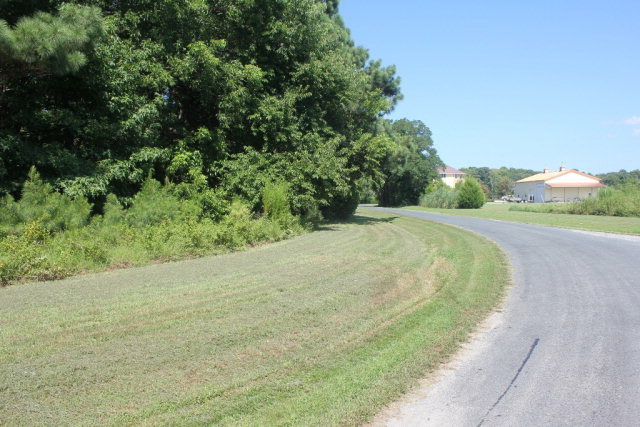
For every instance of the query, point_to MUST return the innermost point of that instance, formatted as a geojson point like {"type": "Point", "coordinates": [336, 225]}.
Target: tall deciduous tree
{"type": "Point", "coordinates": [410, 166]}
{"type": "Point", "coordinates": [196, 91]}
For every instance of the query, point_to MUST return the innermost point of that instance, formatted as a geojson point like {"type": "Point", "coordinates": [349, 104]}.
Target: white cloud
{"type": "Point", "coordinates": [636, 132]}
{"type": "Point", "coordinates": [633, 121]}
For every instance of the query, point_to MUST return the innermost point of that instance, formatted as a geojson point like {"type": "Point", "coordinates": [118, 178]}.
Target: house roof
{"type": "Point", "coordinates": [450, 171]}
{"type": "Point", "coordinates": [551, 175]}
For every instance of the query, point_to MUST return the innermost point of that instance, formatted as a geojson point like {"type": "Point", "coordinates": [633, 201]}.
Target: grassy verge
{"type": "Point", "coordinates": [324, 328]}
{"type": "Point", "coordinates": [610, 224]}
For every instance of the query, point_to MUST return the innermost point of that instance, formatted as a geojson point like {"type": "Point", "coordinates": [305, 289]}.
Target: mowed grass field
{"type": "Point", "coordinates": [500, 211]}
{"type": "Point", "coordinates": [325, 328]}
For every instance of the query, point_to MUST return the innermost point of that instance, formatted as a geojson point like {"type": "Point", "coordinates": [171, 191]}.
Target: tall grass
{"type": "Point", "coordinates": [614, 201]}
{"type": "Point", "coordinates": [47, 235]}
{"type": "Point", "coordinates": [439, 195]}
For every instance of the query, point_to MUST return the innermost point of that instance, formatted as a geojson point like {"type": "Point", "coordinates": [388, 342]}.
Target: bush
{"type": "Point", "coordinates": [162, 223]}
{"type": "Point", "coordinates": [342, 206]}
{"type": "Point", "coordinates": [470, 194]}
{"type": "Point", "coordinates": [156, 203]}
{"type": "Point", "coordinates": [113, 210]}
{"type": "Point", "coordinates": [40, 203]}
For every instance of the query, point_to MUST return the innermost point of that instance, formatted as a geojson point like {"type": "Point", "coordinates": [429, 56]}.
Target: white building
{"type": "Point", "coordinates": [451, 176]}
{"type": "Point", "coordinates": [565, 185]}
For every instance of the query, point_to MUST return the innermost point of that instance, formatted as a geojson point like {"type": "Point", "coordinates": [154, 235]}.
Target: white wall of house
{"type": "Point", "coordinates": [451, 180]}
{"type": "Point", "coordinates": [525, 190]}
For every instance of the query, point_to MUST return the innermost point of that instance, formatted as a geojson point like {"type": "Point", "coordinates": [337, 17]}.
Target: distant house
{"type": "Point", "coordinates": [565, 185]}
{"type": "Point", "coordinates": [451, 176]}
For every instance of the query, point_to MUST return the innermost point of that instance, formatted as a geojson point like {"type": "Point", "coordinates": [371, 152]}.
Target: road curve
{"type": "Point", "coordinates": [567, 349]}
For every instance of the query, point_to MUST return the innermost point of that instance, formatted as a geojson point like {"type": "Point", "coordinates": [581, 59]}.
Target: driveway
{"type": "Point", "coordinates": [565, 349]}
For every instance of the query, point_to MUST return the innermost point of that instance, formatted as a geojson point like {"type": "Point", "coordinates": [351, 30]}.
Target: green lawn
{"type": "Point", "coordinates": [610, 224]}
{"type": "Point", "coordinates": [325, 328]}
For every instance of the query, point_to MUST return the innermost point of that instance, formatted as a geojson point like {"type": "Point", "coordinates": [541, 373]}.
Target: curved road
{"type": "Point", "coordinates": [567, 348]}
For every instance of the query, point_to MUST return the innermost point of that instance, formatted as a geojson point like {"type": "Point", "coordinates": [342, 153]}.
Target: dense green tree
{"type": "Point", "coordinates": [410, 166]}
{"type": "Point", "coordinates": [470, 194]}
{"type": "Point", "coordinates": [97, 94]}
{"type": "Point", "coordinates": [620, 178]}
{"type": "Point", "coordinates": [482, 174]}
{"type": "Point", "coordinates": [502, 185]}
{"type": "Point", "coordinates": [498, 182]}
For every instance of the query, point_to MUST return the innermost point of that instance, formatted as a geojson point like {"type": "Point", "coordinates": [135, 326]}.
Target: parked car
{"type": "Point", "coordinates": [511, 199]}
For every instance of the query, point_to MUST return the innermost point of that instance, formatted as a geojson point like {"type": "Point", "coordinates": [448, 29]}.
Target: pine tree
{"type": "Point", "coordinates": [48, 44]}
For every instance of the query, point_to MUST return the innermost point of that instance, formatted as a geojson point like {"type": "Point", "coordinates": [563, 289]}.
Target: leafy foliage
{"type": "Point", "coordinates": [275, 203]}
{"type": "Point", "coordinates": [498, 182]}
{"type": "Point", "coordinates": [470, 194]}
{"type": "Point", "coordinates": [47, 235]}
{"type": "Point", "coordinates": [197, 92]}
{"type": "Point", "coordinates": [170, 127]}
{"type": "Point", "coordinates": [410, 165]}
{"type": "Point", "coordinates": [41, 205]}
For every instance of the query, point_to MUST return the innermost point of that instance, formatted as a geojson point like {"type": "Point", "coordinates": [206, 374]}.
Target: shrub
{"type": "Point", "coordinates": [342, 206]}
{"type": "Point", "coordinates": [156, 203]}
{"type": "Point", "coordinates": [276, 205]}
{"type": "Point", "coordinates": [113, 210]}
{"type": "Point", "coordinates": [40, 203]}
{"type": "Point", "coordinates": [9, 215]}
{"type": "Point", "coordinates": [163, 222]}
{"type": "Point", "coordinates": [470, 194]}
{"type": "Point", "coordinates": [211, 202]}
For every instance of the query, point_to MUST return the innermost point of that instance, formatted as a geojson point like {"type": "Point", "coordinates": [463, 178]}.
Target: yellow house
{"type": "Point", "coordinates": [565, 185]}
{"type": "Point", "coordinates": [451, 176]}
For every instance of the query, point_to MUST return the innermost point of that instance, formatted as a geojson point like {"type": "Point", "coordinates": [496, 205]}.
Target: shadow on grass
{"type": "Point", "coordinates": [357, 220]}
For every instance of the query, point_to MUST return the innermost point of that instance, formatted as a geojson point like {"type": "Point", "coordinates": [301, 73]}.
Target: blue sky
{"type": "Point", "coordinates": [529, 84]}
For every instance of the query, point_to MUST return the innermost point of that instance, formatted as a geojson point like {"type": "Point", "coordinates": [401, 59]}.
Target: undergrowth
{"type": "Point", "coordinates": [48, 235]}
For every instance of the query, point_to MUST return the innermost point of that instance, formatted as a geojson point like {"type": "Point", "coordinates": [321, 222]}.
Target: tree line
{"type": "Point", "coordinates": [498, 182]}
{"type": "Point", "coordinates": [222, 97]}
{"type": "Point", "coordinates": [620, 178]}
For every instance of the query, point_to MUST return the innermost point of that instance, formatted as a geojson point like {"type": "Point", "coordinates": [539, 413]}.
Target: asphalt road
{"type": "Point", "coordinates": [566, 348]}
